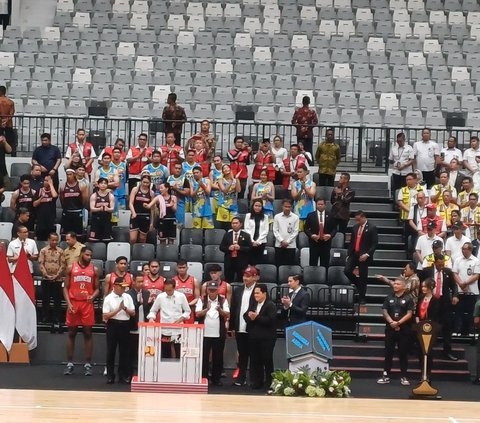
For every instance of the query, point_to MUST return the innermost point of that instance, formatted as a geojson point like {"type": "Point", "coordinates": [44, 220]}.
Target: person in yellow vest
{"type": "Point", "coordinates": [407, 198]}
{"type": "Point", "coordinates": [471, 216]}
{"type": "Point", "coordinates": [467, 185]}
{"type": "Point", "coordinates": [436, 193]}
{"type": "Point", "coordinates": [445, 209]}
{"type": "Point", "coordinates": [429, 259]}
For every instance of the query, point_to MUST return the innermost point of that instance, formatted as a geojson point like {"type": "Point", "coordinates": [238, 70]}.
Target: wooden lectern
{"type": "Point", "coordinates": [160, 374]}
{"type": "Point", "coordinates": [426, 333]}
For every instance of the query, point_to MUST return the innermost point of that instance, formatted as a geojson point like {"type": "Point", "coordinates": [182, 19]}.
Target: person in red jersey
{"type": "Point", "coordinates": [80, 290]}
{"type": "Point", "coordinates": [153, 282]}
{"type": "Point", "coordinates": [121, 265]}
{"type": "Point", "coordinates": [224, 288]}
{"type": "Point", "coordinates": [188, 285]}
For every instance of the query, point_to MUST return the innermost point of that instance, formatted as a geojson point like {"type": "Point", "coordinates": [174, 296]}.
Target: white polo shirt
{"type": "Point", "coordinates": [454, 245]}
{"type": "Point", "coordinates": [465, 268]}
{"type": "Point", "coordinates": [425, 153]}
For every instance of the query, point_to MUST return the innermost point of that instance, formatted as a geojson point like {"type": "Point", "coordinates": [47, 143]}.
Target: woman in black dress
{"type": "Point", "coordinates": [167, 227]}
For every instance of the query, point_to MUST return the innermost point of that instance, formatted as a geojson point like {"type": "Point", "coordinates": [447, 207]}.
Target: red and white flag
{"type": "Point", "coordinates": [7, 302]}
{"type": "Point", "coordinates": [25, 312]}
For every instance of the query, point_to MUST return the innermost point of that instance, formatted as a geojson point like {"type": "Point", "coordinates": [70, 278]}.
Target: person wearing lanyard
{"type": "Point", "coordinates": [173, 307]}
{"type": "Point", "coordinates": [398, 309]}
{"type": "Point", "coordinates": [117, 309]}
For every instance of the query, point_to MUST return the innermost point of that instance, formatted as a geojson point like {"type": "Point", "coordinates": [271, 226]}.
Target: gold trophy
{"type": "Point", "coordinates": [426, 333]}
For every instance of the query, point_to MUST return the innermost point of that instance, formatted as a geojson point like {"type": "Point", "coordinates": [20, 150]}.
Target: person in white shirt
{"type": "Point", "coordinates": [470, 157]}
{"type": "Point", "coordinates": [213, 311]}
{"type": "Point", "coordinates": [466, 270]}
{"type": "Point", "coordinates": [117, 310]}
{"type": "Point", "coordinates": [173, 307]}
{"type": "Point", "coordinates": [280, 154]}
{"type": "Point", "coordinates": [401, 158]}
{"type": "Point", "coordinates": [427, 154]}
{"type": "Point", "coordinates": [285, 230]}
{"type": "Point", "coordinates": [424, 244]}
{"type": "Point", "coordinates": [15, 246]}
{"type": "Point", "coordinates": [257, 225]}
{"type": "Point", "coordinates": [454, 244]}
{"type": "Point", "coordinates": [447, 154]}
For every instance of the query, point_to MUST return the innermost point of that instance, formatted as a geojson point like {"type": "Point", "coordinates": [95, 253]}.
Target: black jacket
{"type": "Point", "coordinates": [236, 306]}
{"type": "Point", "coordinates": [368, 242]}
{"type": "Point", "coordinates": [299, 308]}
{"type": "Point", "coordinates": [449, 287]}
{"type": "Point", "coordinates": [433, 309]}
{"type": "Point", "coordinates": [146, 306]}
{"type": "Point", "coordinates": [312, 226]}
{"type": "Point", "coordinates": [264, 325]}
{"type": "Point", "coordinates": [244, 241]}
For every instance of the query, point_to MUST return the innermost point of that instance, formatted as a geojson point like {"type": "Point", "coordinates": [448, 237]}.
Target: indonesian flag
{"type": "Point", "coordinates": [26, 314]}
{"type": "Point", "coordinates": [7, 302]}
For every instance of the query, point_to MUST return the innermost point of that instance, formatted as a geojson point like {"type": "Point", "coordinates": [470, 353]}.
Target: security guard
{"type": "Point", "coordinates": [398, 310]}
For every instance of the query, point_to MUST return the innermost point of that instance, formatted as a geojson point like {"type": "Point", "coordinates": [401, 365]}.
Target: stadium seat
{"type": "Point", "coordinates": [115, 249]}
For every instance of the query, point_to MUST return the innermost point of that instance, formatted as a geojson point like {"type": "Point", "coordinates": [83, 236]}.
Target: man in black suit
{"type": "Point", "coordinates": [320, 228]}
{"type": "Point", "coordinates": [362, 246]}
{"type": "Point", "coordinates": [236, 245]}
{"type": "Point", "coordinates": [242, 301]}
{"type": "Point", "coordinates": [446, 290]}
{"type": "Point", "coordinates": [140, 299]}
{"type": "Point", "coordinates": [295, 304]}
{"type": "Point", "coordinates": [261, 326]}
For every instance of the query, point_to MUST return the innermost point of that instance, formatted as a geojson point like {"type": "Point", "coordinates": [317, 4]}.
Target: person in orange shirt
{"type": "Point", "coordinates": [7, 110]}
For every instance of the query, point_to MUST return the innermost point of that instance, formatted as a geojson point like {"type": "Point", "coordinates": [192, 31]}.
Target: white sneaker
{"type": "Point", "coordinates": [404, 381]}
{"type": "Point", "coordinates": [384, 379]}
{"type": "Point", "coordinates": [105, 371]}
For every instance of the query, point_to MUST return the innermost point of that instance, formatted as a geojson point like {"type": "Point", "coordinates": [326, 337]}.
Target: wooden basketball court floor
{"type": "Point", "coordinates": [35, 406]}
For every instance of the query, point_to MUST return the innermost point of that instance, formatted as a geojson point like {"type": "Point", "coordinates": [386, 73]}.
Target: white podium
{"type": "Point", "coordinates": [159, 374]}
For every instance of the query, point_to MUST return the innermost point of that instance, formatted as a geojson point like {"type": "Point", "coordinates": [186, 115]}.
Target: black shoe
{"type": "Point", "coordinates": [52, 328]}
{"type": "Point", "coordinates": [476, 381]}
{"type": "Point", "coordinates": [216, 383]}
{"type": "Point", "coordinates": [362, 301]}
{"type": "Point", "coordinates": [56, 327]}
{"type": "Point", "coordinates": [124, 380]}
{"type": "Point", "coordinates": [450, 356]}
{"type": "Point", "coordinates": [110, 381]}
{"type": "Point", "coordinates": [239, 382]}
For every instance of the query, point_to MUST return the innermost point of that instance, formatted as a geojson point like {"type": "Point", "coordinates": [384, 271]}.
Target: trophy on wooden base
{"type": "Point", "coordinates": [426, 333]}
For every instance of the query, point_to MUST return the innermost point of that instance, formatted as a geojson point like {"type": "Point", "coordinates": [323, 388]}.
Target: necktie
{"type": "Point", "coordinates": [438, 286]}
{"type": "Point", "coordinates": [359, 238]}
{"type": "Point", "coordinates": [235, 242]}
{"type": "Point", "coordinates": [320, 223]}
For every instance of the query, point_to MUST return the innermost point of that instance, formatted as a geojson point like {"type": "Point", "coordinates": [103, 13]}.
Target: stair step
{"type": "Point", "coordinates": [368, 207]}
{"type": "Point", "coordinates": [363, 185]}
{"type": "Point", "coordinates": [447, 375]}
{"type": "Point", "coordinates": [390, 255]}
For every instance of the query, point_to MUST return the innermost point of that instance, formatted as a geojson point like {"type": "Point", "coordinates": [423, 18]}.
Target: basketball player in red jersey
{"type": "Point", "coordinates": [80, 290]}
{"type": "Point", "coordinates": [188, 285]}
{"type": "Point", "coordinates": [121, 265]}
{"type": "Point", "coordinates": [224, 288]}
{"type": "Point", "coordinates": [153, 282]}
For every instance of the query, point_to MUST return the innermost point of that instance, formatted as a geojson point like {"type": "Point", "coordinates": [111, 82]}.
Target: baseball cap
{"type": "Point", "coordinates": [69, 170]}
{"type": "Point", "coordinates": [251, 270]}
{"type": "Point", "coordinates": [431, 206]}
{"type": "Point", "coordinates": [431, 225]}
{"type": "Point", "coordinates": [212, 285]}
{"type": "Point", "coordinates": [437, 244]}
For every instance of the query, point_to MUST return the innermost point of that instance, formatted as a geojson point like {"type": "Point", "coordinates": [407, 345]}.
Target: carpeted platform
{"type": "Point", "coordinates": [51, 377]}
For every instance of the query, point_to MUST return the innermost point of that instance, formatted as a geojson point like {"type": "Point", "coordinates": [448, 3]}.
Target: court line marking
{"type": "Point", "coordinates": [204, 413]}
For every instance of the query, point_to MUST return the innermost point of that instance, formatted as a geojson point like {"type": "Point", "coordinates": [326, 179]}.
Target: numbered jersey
{"type": "Point", "coordinates": [81, 282]}
{"type": "Point", "coordinates": [155, 287]}
{"type": "Point", "coordinates": [186, 286]}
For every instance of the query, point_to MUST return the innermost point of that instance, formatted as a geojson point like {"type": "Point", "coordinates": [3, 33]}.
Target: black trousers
{"type": "Point", "coordinates": [307, 143]}
{"type": "Point", "coordinates": [325, 180]}
{"type": "Point", "coordinates": [361, 280]}
{"type": "Point", "coordinates": [464, 313]}
{"type": "Point", "coordinates": [243, 349]}
{"type": "Point", "coordinates": [256, 255]}
{"type": "Point", "coordinates": [398, 181]}
{"type": "Point", "coordinates": [170, 349]}
{"type": "Point", "coordinates": [52, 289]}
{"type": "Point", "coordinates": [134, 352]}
{"type": "Point", "coordinates": [215, 346]}
{"type": "Point", "coordinates": [320, 250]}
{"type": "Point", "coordinates": [178, 139]}
{"type": "Point", "coordinates": [234, 269]}
{"type": "Point", "coordinates": [243, 188]}
{"type": "Point", "coordinates": [429, 178]}
{"type": "Point", "coordinates": [341, 225]}
{"type": "Point", "coordinates": [446, 320]}
{"type": "Point", "coordinates": [118, 335]}
{"type": "Point", "coordinates": [261, 362]}
{"type": "Point", "coordinates": [284, 256]}
{"type": "Point", "coordinates": [401, 339]}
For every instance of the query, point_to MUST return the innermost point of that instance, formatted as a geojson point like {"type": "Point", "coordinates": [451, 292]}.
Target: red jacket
{"type": "Point", "coordinates": [87, 153]}
{"type": "Point", "coordinates": [135, 168]}
{"type": "Point", "coordinates": [239, 159]}
{"type": "Point", "coordinates": [264, 161]}
{"type": "Point", "coordinates": [300, 161]}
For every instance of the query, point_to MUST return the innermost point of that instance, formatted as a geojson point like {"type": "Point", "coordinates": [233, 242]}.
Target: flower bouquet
{"type": "Point", "coordinates": [316, 383]}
